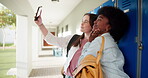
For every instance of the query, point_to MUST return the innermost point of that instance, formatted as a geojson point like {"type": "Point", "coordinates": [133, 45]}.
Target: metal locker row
{"type": "Point", "coordinates": [144, 57]}
{"type": "Point", "coordinates": [134, 43]}
{"type": "Point", "coordinates": [136, 54]}
{"type": "Point", "coordinates": [128, 44]}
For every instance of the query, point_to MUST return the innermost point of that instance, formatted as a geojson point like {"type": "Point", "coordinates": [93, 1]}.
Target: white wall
{"type": "Point", "coordinates": [75, 17]}
{"type": "Point", "coordinates": [23, 47]}
{"type": "Point", "coordinates": [10, 35]}
{"type": "Point", "coordinates": [36, 42]}
{"type": "Point", "coordinates": [24, 35]}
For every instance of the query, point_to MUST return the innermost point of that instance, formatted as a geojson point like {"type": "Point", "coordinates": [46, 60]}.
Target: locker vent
{"type": "Point", "coordinates": [126, 4]}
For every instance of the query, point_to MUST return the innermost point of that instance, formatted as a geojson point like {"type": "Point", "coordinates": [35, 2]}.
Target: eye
{"type": "Point", "coordinates": [99, 19]}
{"type": "Point", "coordinates": [86, 21]}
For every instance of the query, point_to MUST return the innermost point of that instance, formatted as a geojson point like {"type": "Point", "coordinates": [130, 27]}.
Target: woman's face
{"type": "Point", "coordinates": [102, 23]}
{"type": "Point", "coordinates": [85, 25]}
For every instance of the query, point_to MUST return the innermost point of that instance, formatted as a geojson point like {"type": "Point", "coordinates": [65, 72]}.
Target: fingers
{"type": "Point", "coordinates": [38, 18]}
{"type": "Point", "coordinates": [40, 13]}
{"type": "Point", "coordinates": [96, 32]}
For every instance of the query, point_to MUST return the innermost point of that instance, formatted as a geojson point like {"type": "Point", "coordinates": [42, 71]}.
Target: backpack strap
{"type": "Point", "coordinates": [99, 53]}
{"type": "Point", "coordinates": [74, 38]}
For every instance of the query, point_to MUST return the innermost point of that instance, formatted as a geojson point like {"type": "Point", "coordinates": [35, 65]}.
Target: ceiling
{"type": "Point", "coordinates": [53, 12]}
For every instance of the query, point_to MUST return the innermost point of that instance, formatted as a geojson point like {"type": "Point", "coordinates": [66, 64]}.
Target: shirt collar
{"type": "Point", "coordinates": [105, 34]}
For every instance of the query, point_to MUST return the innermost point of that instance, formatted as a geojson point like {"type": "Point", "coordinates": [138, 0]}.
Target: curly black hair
{"type": "Point", "coordinates": [118, 21]}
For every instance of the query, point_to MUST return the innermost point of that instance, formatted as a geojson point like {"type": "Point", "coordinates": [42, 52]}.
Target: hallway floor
{"type": "Point", "coordinates": [47, 66]}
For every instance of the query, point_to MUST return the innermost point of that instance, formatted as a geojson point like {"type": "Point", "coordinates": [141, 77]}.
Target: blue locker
{"type": "Point", "coordinates": [95, 10]}
{"type": "Point", "coordinates": [108, 3]}
{"type": "Point", "coordinates": [128, 44]}
{"type": "Point", "coordinates": [144, 65]}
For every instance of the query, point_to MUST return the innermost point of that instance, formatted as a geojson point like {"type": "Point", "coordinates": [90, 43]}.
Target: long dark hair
{"type": "Point", "coordinates": [92, 18]}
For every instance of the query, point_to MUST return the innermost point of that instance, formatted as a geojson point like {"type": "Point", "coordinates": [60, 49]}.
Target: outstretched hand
{"type": "Point", "coordinates": [39, 20]}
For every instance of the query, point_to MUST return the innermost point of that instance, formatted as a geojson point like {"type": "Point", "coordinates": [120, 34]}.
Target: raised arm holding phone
{"type": "Point", "coordinates": [38, 21]}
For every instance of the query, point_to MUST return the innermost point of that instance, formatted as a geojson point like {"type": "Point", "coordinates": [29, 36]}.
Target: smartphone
{"type": "Point", "coordinates": [38, 13]}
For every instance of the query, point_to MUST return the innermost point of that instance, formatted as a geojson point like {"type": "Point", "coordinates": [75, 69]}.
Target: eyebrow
{"type": "Point", "coordinates": [85, 20]}
{"type": "Point", "coordinates": [101, 17]}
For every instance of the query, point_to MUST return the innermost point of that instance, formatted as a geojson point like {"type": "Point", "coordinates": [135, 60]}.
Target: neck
{"type": "Point", "coordinates": [87, 36]}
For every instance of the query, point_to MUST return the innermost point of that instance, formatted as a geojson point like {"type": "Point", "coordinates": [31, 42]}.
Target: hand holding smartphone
{"type": "Point", "coordinates": [38, 13]}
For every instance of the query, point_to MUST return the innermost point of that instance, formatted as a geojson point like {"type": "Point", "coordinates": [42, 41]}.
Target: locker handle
{"type": "Point", "coordinates": [140, 46]}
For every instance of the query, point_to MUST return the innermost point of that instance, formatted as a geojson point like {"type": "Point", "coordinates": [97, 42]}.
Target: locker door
{"type": "Point", "coordinates": [144, 66]}
{"type": "Point", "coordinates": [95, 10]}
{"type": "Point", "coordinates": [108, 3]}
{"type": "Point", "coordinates": [128, 43]}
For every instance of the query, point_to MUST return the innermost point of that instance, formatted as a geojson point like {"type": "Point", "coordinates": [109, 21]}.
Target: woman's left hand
{"type": "Point", "coordinates": [94, 34]}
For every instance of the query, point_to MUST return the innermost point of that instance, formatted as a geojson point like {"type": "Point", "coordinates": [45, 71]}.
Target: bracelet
{"type": "Point", "coordinates": [41, 25]}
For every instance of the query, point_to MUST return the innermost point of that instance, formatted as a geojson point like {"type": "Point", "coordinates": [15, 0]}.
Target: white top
{"type": "Point", "coordinates": [112, 60]}
{"type": "Point", "coordinates": [62, 42]}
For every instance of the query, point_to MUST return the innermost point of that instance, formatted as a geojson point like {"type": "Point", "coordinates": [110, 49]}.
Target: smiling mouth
{"type": "Point", "coordinates": [95, 27]}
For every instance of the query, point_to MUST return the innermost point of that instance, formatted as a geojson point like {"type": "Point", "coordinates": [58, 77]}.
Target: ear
{"type": "Point", "coordinates": [108, 27]}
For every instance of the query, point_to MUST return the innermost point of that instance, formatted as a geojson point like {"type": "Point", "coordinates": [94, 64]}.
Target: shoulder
{"type": "Point", "coordinates": [107, 37]}
{"type": "Point", "coordinates": [109, 41]}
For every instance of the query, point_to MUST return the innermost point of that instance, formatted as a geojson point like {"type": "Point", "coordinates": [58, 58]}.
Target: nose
{"type": "Point", "coordinates": [95, 21]}
{"type": "Point", "coordinates": [95, 25]}
{"type": "Point", "coordinates": [81, 23]}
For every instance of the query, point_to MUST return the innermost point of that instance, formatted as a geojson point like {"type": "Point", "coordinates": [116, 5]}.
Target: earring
{"type": "Point", "coordinates": [106, 30]}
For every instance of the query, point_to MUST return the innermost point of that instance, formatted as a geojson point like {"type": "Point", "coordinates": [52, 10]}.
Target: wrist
{"type": "Point", "coordinates": [41, 25]}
